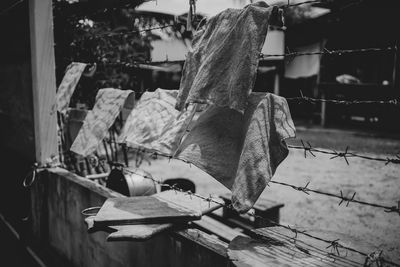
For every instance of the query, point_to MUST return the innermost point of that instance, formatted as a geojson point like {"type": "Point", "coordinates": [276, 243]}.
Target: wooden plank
{"type": "Point", "coordinates": [43, 79]}
{"type": "Point", "coordinates": [165, 207]}
{"type": "Point", "coordinates": [140, 232]}
{"type": "Point", "coordinates": [278, 246]}
{"type": "Point", "coordinates": [217, 228]}
{"type": "Point", "coordinates": [207, 241]}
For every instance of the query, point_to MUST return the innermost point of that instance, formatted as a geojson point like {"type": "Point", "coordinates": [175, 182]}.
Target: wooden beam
{"type": "Point", "coordinates": [43, 79]}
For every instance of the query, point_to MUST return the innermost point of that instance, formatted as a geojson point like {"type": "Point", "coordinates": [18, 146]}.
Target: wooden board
{"type": "Point", "coordinates": [43, 79]}
{"type": "Point", "coordinates": [214, 227]}
{"type": "Point", "coordinates": [165, 207]}
{"type": "Point", "coordinates": [277, 247]}
{"type": "Point", "coordinates": [140, 232]}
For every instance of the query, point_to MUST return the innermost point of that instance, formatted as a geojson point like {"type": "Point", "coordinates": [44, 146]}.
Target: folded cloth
{"type": "Point", "coordinates": [68, 84]}
{"type": "Point", "coordinates": [155, 124]}
{"type": "Point", "coordinates": [222, 67]}
{"type": "Point", "coordinates": [242, 151]}
{"type": "Point", "coordinates": [109, 103]}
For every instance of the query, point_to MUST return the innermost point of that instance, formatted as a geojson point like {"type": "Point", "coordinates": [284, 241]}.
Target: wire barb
{"type": "Point", "coordinates": [307, 149]}
{"type": "Point", "coordinates": [335, 246]}
{"type": "Point", "coordinates": [344, 155]}
{"type": "Point", "coordinates": [374, 257]}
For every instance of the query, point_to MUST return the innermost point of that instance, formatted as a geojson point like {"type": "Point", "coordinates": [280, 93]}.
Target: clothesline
{"type": "Point", "coordinates": [334, 245]}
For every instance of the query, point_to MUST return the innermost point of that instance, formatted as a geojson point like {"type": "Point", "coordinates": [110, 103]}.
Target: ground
{"type": "Point", "coordinates": [363, 227]}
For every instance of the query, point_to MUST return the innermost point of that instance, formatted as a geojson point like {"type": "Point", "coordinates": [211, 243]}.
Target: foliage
{"type": "Point", "coordinates": [110, 39]}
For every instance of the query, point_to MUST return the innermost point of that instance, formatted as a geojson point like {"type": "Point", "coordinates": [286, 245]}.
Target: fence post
{"type": "Point", "coordinates": [43, 79]}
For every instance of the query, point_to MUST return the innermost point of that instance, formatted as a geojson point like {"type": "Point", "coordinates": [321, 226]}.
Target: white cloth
{"type": "Point", "coordinates": [155, 124]}
{"type": "Point", "coordinates": [109, 103]}
{"type": "Point", "coordinates": [68, 85]}
{"type": "Point", "coordinates": [242, 151]}
{"type": "Point", "coordinates": [222, 67]}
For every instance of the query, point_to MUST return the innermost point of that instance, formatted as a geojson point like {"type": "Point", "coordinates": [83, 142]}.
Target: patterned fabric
{"type": "Point", "coordinates": [242, 151]}
{"type": "Point", "coordinates": [222, 67]}
{"type": "Point", "coordinates": [155, 124]}
{"type": "Point", "coordinates": [68, 84]}
{"type": "Point", "coordinates": [109, 103]}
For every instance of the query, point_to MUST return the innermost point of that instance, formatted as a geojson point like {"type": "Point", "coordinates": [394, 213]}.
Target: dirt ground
{"type": "Point", "coordinates": [363, 227]}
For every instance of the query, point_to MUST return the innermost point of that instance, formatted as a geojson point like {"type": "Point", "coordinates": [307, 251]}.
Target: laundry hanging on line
{"type": "Point", "coordinates": [109, 103]}
{"type": "Point", "coordinates": [221, 69]}
{"type": "Point", "coordinates": [242, 151]}
{"type": "Point", "coordinates": [68, 84]}
{"type": "Point", "coordinates": [155, 124]}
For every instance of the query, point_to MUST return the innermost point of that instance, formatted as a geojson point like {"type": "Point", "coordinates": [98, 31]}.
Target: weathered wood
{"type": "Point", "coordinates": [277, 247]}
{"type": "Point", "coordinates": [67, 235]}
{"type": "Point", "coordinates": [43, 79]}
{"type": "Point", "coordinates": [214, 227]}
{"type": "Point", "coordinates": [138, 232]}
{"type": "Point", "coordinates": [165, 207]}
{"type": "Point", "coordinates": [263, 208]}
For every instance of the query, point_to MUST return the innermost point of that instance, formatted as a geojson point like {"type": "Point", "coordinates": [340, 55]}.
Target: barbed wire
{"type": "Point", "coordinates": [334, 245]}
{"type": "Point", "coordinates": [126, 34]}
{"type": "Point", "coordinates": [307, 148]}
{"type": "Point", "coordinates": [342, 154]}
{"type": "Point", "coordinates": [288, 5]}
{"type": "Point", "coordinates": [136, 64]}
{"type": "Point", "coordinates": [305, 99]}
{"type": "Point", "coordinates": [305, 189]}
{"type": "Point", "coordinates": [339, 52]}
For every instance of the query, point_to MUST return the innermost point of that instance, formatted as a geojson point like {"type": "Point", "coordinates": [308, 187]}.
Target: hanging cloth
{"type": "Point", "coordinates": [222, 67]}
{"type": "Point", "coordinates": [155, 124]}
{"type": "Point", "coordinates": [68, 85]}
{"type": "Point", "coordinates": [109, 103]}
{"type": "Point", "coordinates": [242, 151]}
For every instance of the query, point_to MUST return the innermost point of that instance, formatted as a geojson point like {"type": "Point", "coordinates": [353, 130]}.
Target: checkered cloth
{"type": "Point", "coordinates": [109, 103]}
{"type": "Point", "coordinates": [68, 85]}
{"type": "Point", "coordinates": [155, 124]}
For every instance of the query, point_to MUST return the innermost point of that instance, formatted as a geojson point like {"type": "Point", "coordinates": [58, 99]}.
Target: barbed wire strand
{"type": "Point", "coordinates": [113, 34]}
{"type": "Point", "coordinates": [301, 99]}
{"type": "Point", "coordinates": [136, 64]}
{"type": "Point", "coordinates": [305, 189]}
{"type": "Point", "coordinates": [334, 245]}
{"type": "Point", "coordinates": [342, 154]}
{"type": "Point", "coordinates": [339, 52]}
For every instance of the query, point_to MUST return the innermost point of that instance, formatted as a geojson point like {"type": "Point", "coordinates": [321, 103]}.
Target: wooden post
{"type": "Point", "coordinates": [43, 79]}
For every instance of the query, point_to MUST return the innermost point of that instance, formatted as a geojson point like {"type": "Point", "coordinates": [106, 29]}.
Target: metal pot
{"type": "Point", "coordinates": [131, 184]}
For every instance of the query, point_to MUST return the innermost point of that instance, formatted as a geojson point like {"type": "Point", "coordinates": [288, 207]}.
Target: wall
{"type": "Point", "coordinates": [57, 199]}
